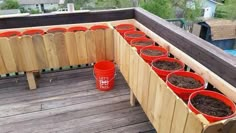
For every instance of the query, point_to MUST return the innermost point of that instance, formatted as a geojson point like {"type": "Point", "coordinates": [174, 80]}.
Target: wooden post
{"type": "Point", "coordinates": [31, 80]}
{"type": "Point", "coordinates": [132, 98]}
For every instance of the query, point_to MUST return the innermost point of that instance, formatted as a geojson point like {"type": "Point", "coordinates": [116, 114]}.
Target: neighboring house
{"type": "Point", "coordinates": [41, 5]}
{"type": "Point", "coordinates": [9, 11]}
{"type": "Point", "coordinates": [209, 7]}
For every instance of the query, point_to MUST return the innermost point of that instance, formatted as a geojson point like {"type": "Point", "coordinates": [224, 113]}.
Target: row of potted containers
{"type": "Point", "coordinates": [187, 85]}
{"type": "Point", "coordinates": [50, 30]}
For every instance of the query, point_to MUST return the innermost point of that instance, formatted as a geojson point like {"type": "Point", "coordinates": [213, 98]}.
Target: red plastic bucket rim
{"type": "Point", "coordinates": [215, 93]}
{"type": "Point", "coordinates": [55, 29]}
{"type": "Point", "coordinates": [179, 72]}
{"type": "Point", "coordinates": [77, 28]}
{"type": "Point", "coordinates": [10, 33]}
{"type": "Point", "coordinates": [120, 25]}
{"type": "Point", "coordinates": [99, 27]}
{"type": "Point", "coordinates": [154, 47]}
{"type": "Point", "coordinates": [111, 64]}
{"type": "Point", "coordinates": [168, 58]}
{"type": "Point", "coordinates": [141, 39]}
{"type": "Point", "coordinates": [33, 31]}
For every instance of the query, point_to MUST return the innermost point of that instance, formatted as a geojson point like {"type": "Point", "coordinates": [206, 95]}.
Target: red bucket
{"type": "Point", "coordinates": [99, 27]}
{"type": "Point", "coordinates": [163, 73]}
{"type": "Point", "coordinates": [184, 93]}
{"type": "Point", "coordinates": [10, 33]}
{"type": "Point", "coordinates": [122, 28]}
{"type": "Point", "coordinates": [56, 29]}
{"type": "Point", "coordinates": [139, 47]}
{"type": "Point", "coordinates": [77, 28]}
{"type": "Point", "coordinates": [215, 95]}
{"type": "Point", "coordinates": [104, 72]}
{"type": "Point", "coordinates": [128, 37]}
{"type": "Point", "coordinates": [33, 32]}
{"type": "Point", "coordinates": [149, 58]}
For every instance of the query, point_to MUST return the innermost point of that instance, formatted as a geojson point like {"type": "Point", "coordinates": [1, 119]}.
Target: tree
{"type": "Point", "coordinates": [228, 10]}
{"type": "Point", "coordinates": [10, 4]}
{"type": "Point", "coordinates": [162, 8]}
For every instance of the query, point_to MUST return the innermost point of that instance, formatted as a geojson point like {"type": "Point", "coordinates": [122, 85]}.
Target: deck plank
{"type": "Point", "coordinates": [67, 102]}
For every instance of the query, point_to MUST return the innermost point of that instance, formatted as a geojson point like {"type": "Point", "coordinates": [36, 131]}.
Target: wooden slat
{"type": "Point", "coordinates": [91, 46]}
{"type": "Point", "coordinates": [131, 68]}
{"type": "Point", "coordinates": [152, 95]}
{"type": "Point", "coordinates": [81, 43]}
{"type": "Point", "coordinates": [180, 117]}
{"type": "Point", "coordinates": [51, 50]}
{"type": "Point", "coordinates": [115, 45]}
{"type": "Point", "coordinates": [127, 62]}
{"type": "Point", "coordinates": [71, 48]}
{"type": "Point", "coordinates": [7, 55]}
{"type": "Point", "coordinates": [28, 53]}
{"type": "Point", "coordinates": [41, 54]}
{"type": "Point", "coordinates": [109, 38]}
{"type": "Point", "coordinates": [15, 43]}
{"type": "Point", "coordinates": [100, 45]}
{"type": "Point", "coordinates": [31, 80]}
{"type": "Point", "coordinates": [193, 124]}
{"type": "Point", "coordinates": [167, 110]}
{"type": "Point", "coordinates": [59, 39]}
{"type": "Point", "coordinates": [122, 48]}
{"type": "Point", "coordinates": [2, 66]}
{"type": "Point", "coordinates": [135, 73]}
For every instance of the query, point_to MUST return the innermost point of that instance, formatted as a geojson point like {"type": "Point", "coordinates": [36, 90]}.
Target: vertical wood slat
{"type": "Point", "coordinates": [51, 50]}
{"type": "Point", "coordinates": [28, 53]}
{"type": "Point", "coordinates": [40, 51]}
{"type": "Point", "coordinates": [132, 67]}
{"type": "Point", "coordinates": [2, 66]}
{"type": "Point", "coordinates": [15, 43]}
{"type": "Point", "coordinates": [100, 45]}
{"type": "Point", "coordinates": [59, 39]}
{"type": "Point", "coordinates": [152, 95]}
{"type": "Point", "coordinates": [122, 46]}
{"type": "Point", "coordinates": [81, 43]}
{"type": "Point", "coordinates": [135, 72]}
{"type": "Point", "coordinates": [7, 55]}
{"type": "Point", "coordinates": [193, 124]}
{"type": "Point", "coordinates": [127, 62]}
{"type": "Point", "coordinates": [91, 47]}
{"type": "Point", "coordinates": [115, 45]}
{"type": "Point", "coordinates": [109, 38]}
{"type": "Point", "coordinates": [71, 45]}
{"type": "Point", "coordinates": [179, 117]}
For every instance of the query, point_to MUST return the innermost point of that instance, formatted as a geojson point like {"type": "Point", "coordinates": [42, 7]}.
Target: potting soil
{"type": "Point", "coordinates": [184, 82]}
{"type": "Point", "coordinates": [166, 65]}
{"type": "Point", "coordinates": [143, 43]}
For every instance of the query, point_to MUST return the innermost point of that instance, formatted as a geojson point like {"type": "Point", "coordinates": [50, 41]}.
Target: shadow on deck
{"type": "Point", "coordinates": [67, 101]}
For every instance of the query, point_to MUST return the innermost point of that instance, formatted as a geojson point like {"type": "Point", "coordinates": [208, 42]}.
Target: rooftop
{"type": "Point", "coordinates": [31, 2]}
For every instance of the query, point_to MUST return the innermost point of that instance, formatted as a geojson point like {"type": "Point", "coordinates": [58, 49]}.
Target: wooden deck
{"type": "Point", "coordinates": [67, 101]}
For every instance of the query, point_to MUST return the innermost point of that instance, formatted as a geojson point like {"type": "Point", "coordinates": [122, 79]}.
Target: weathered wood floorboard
{"type": "Point", "coordinates": [70, 103]}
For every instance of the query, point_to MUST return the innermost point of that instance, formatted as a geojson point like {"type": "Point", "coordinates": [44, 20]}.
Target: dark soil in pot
{"type": "Point", "coordinates": [143, 43]}
{"type": "Point", "coordinates": [134, 35]}
{"type": "Point", "coordinates": [184, 82]}
{"type": "Point", "coordinates": [166, 65]}
{"type": "Point", "coordinates": [152, 52]}
{"type": "Point", "coordinates": [124, 27]}
{"type": "Point", "coordinates": [211, 106]}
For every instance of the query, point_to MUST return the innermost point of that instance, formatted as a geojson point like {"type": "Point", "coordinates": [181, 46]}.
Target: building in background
{"type": "Point", "coordinates": [209, 7]}
{"type": "Point", "coordinates": [41, 5]}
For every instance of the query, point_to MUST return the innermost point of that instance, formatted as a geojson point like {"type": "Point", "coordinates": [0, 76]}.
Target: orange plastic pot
{"type": "Point", "coordinates": [122, 28]}
{"type": "Point", "coordinates": [215, 95]}
{"type": "Point", "coordinates": [163, 73]}
{"type": "Point", "coordinates": [149, 58]}
{"type": "Point", "coordinates": [99, 27]}
{"type": "Point", "coordinates": [10, 33]}
{"type": "Point", "coordinates": [139, 47]}
{"type": "Point", "coordinates": [128, 35]}
{"type": "Point", "coordinates": [56, 29]}
{"type": "Point", "coordinates": [77, 28]}
{"type": "Point", "coordinates": [184, 93]}
{"type": "Point", "coordinates": [33, 32]}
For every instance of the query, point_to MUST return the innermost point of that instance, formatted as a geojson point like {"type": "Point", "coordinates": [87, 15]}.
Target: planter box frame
{"type": "Point", "coordinates": [165, 110]}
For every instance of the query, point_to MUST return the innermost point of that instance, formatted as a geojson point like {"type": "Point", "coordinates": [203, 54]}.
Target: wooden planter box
{"type": "Point", "coordinates": [166, 111]}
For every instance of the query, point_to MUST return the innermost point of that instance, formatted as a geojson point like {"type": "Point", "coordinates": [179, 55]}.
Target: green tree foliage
{"type": "Point", "coordinates": [228, 10]}
{"type": "Point", "coordinates": [167, 8]}
{"type": "Point", "coordinates": [10, 4]}
{"type": "Point", "coordinates": [162, 8]}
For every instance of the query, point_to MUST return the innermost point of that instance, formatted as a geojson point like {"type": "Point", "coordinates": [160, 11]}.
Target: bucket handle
{"type": "Point", "coordinates": [109, 80]}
